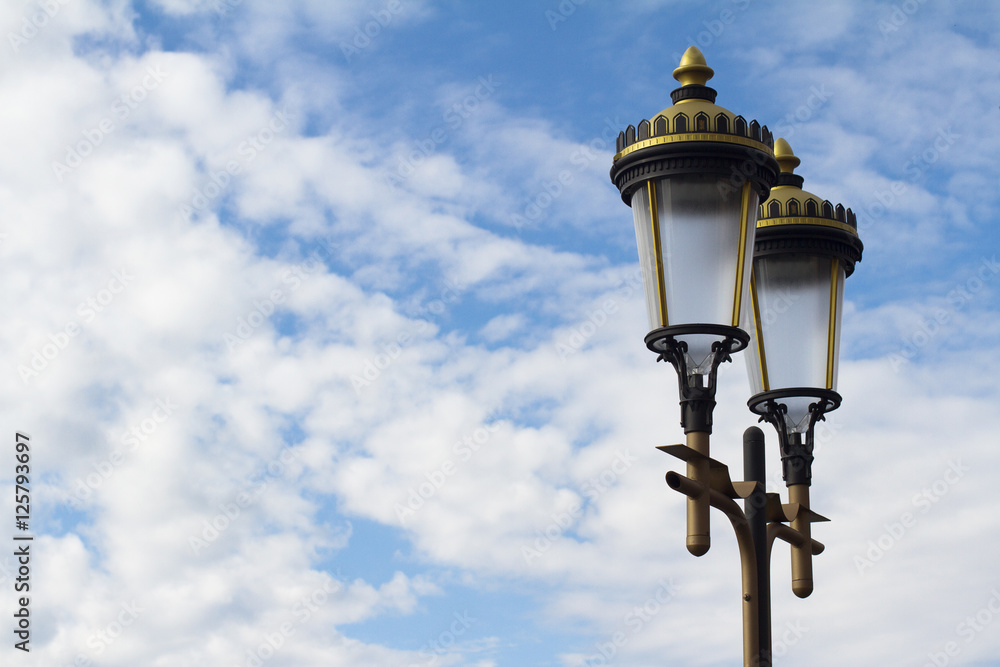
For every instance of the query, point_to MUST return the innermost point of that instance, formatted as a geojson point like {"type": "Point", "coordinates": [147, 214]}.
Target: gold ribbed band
{"type": "Point", "coordinates": [695, 136]}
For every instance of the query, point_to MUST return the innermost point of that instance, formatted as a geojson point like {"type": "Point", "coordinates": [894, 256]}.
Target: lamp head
{"type": "Point", "coordinates": [804, 250]}
{"type": "Point", "coordinates": [694, 176]}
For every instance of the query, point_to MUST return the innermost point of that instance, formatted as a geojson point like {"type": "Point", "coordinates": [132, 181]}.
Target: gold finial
{"type": "Point", "coordinates": [693, 68]}
{"type": "Point", "coordinates": [785, 157]}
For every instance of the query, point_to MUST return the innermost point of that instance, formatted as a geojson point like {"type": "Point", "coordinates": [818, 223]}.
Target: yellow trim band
{"type": "Point", "coordinates": [821, 222]}
{"type": "Point", "coordinates": [654, 217]}
{"type": "Point", "coordinates": [761, 360]}
{"type": "Point", "coordinates": [741, 254]}
{"type": "Point", "coordinates": [831, 335]}
{"type": "Point", "coordinates": [695, 136]}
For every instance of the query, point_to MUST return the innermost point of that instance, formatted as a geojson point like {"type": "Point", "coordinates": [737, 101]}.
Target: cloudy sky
{"type": "Point", "coordinates": [323, 320]}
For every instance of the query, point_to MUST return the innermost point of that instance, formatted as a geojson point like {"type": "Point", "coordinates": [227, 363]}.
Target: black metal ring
{"type": "Point", "coordinates": [737, 338]}
{"type": "Point", "coordinates": [758, 403]}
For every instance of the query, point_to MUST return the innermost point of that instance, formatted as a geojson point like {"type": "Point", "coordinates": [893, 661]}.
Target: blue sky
{"type": "Point", "coordinates": [324, 320]}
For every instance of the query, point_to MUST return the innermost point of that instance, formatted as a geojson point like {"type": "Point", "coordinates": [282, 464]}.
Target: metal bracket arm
{"type": "Point", "coordinates": [719, 479]}
{"type": "Point", "coordinates": [795, 538]}
{"type": "Point", "coordinates": [748, 558]}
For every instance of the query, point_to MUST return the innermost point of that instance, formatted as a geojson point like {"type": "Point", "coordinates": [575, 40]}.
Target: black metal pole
{"type": "Point", "coordinates": [755, 508]}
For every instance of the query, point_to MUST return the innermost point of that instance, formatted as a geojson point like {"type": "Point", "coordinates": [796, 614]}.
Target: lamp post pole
{"type": "Point", "coordinates": [696, 177]}
{"type": "Point", "coordinates": [755, 508]}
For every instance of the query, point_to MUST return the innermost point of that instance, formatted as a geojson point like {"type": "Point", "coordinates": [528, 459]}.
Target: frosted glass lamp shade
{"type": "Point", "coordinates": [804, 249]}
{"type": "Point", "coordinates": [694, 252]}
{"type": "Point", "coordinates": [796, 305]}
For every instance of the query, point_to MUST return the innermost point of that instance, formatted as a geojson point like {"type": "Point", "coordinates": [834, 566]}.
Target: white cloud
{"type": "Point", "coordinates": [228, 407]}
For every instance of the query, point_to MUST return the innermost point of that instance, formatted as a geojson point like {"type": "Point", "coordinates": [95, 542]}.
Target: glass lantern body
{"type": "Point", "coordinates": [695, 236]}
{"type": "Point", "coordinates": [794, 319]}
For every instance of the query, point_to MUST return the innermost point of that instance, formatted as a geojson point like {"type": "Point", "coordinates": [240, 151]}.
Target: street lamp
{"type": "Point", "coordinates": [804, 250]}
{"type": "Point", "coordinates": [695, 176]}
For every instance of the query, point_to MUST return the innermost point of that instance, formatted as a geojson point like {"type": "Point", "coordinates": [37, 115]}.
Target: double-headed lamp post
{"type": "Point", "coordinates": [719, 277]}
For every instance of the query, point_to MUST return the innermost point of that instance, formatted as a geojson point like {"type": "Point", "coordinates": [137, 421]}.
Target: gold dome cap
{"type": "Point", "coordinates": [694, 116]}
{"type": "Point", "coordinates": [792, 218]}
{"type": "Point", "coordinates": [790, 204]}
